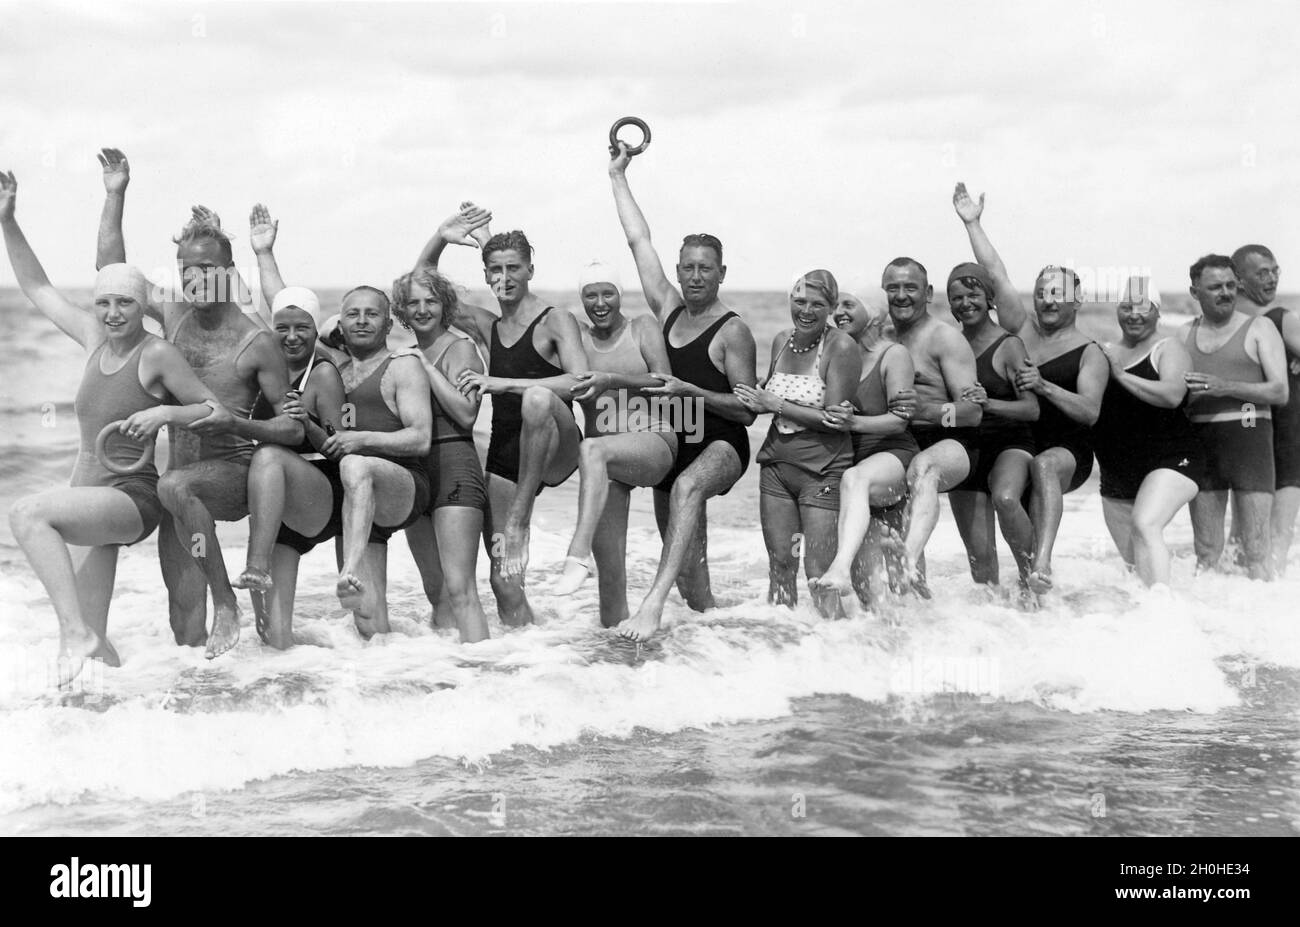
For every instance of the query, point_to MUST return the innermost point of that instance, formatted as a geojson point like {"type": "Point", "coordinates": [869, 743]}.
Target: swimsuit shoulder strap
{"type": "Point", "coordinates": [672, 317]}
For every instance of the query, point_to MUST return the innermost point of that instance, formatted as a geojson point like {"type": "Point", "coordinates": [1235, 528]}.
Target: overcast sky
{"type": "Point", "coordinates": [803, 134]}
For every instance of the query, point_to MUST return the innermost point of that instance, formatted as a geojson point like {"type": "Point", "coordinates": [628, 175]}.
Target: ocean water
{"type": "Point", "coordinates": [1111, 711]}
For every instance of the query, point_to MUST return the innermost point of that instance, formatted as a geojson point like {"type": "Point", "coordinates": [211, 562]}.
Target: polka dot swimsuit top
{"type": "Point", "coordinates": [804, 389]}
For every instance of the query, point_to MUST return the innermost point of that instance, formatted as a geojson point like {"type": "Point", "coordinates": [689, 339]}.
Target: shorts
{"type": "Point", "coordinates": [143, 492]}
{"type": "Point", "coordinates": [503, 457]}
{"type": "Point", "coordinates": [333, 526]}
{"type": "Point", "coordinates": [732, 433]}
{"type": "Point", "coordinates": [379, 534]}
{"type": "Point", "coordinates": [902, 445]}
{"type": "Point", "coordinates": [1124, 481]}
{"type": "Point", "coordinates": [1237, 458]}
{"type": "Point", "coordinates": [810, 490]}
{"type": "Point", "coordinates": [928, 436]}
{"type": "Point", "coordinates": [992, 442]}
{"type": "Point", "coordinates": [455, 476]}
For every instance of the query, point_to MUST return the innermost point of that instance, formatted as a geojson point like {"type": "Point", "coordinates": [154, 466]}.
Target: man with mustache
{"type": "Point", "coordinates": [1238, 372]}
{"type": "Point", "coordinates": [207, 476]}
{"type": "Point", "coordinates": [946, 427]}
{"type": "Point", "coordinates": [1257, 275]}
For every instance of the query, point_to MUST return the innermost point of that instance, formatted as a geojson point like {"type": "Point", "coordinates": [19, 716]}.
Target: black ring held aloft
{"type": "Point", "coordinates": [629, 121]}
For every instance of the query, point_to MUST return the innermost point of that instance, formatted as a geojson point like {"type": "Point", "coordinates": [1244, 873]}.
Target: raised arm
{"type": "Point", "coordinates": [77, 324]}
{"type": "Point", "coordinates": [1012, 313]}
{"type": "Point", "coordinates": [110, 246]}
{"type": "Point", "coordinates": [659, 291]}
{"type": "Point", "coordinates": [467, 226]}
{"type": "Point", "coordinates": [262, 230]}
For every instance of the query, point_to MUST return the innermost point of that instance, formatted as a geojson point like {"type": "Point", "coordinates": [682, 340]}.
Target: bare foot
{"type": "Point", "coordinates": [642, 626]}
{"type": "Point", "coordinates": [349, 590]}
{"type": "Point", "coordinates": [576, 571]}
{"type": "Point", "coordinates": [514, 559]}
{"type": "Point", "coordinates": [75, 649]}
{"type": "Point", "coordinates": [1027, 599]}
{"type": "Point", "coordinates": [253, 579]}
{"type": "Point", "coordinates": [225, 632]}
{"type": "Point", "coordinates": [1040, 581]}
{"type": "Point", "coordinates": [836, 578]}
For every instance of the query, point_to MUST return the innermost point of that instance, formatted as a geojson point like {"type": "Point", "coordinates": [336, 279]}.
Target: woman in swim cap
{"type": "Point", "coordinates": [132, 378]}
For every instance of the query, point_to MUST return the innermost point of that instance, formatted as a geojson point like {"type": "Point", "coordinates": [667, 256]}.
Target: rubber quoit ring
{"type": "Point", "coordinates": [146, 455]}
{"type": "Point", "coordinates": [629, 121]}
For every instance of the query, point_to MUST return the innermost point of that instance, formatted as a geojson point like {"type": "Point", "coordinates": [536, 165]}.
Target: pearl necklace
{"type": "Point", "coordinates": [797, 350]}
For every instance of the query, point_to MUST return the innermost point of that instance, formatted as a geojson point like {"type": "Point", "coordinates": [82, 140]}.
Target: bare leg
{"type": "Point", "coordinates": [1118, 514]}
{"type": "Point", "coordinates": [1162, 494]}
{"type": "Point", "coordinates": [1050, 472]}
{"type": "Point", "coordinates": [635, 459]}
{"type": "Point", "coordinates": [274, 608]}
{"type": "Point", "coordinates": [1007, 484]}
{"type": "Point", "coordinates": [1286, 504]}
{"type": "Point", "coordinates": [714, 471]}
{"type": "Point", "coordinates": [611, 556]}
{"type": "Point", "coordinates": [1208, 510]}
{"type": "Point", "coordinates": [512, 604]}
{"type": "Point", "coordinates": [196, 496]}
{"type": "Point", "coordinates": [548, 452]}
{"type": "Point", "coordinates": [1254, 512]}
{"type": "Point", "coordinates": [422, 541]}
{"type": "Point", "coordinates": [371, 613]}
{"type": "Point", "coordinates": [818, 552]}
{"type": "Point", "coordinates": [784, 539]}
{"type": "Point", "coordinates": [936, 469]}
{"type": "Point", "coordinates": [187, 591]}
{"type": "Point", "coordinates": [458, 528]}
{"type": "Point", "coordinates": [878, 480]}
{"type": "Point", "coordinates": [973, 512]}
{"type": "Point", "coordinates": [44, 525]}
{"type": "Point", "coordinates": [375, 492]}
{"type": "Point", "coordinates": [96, 569]}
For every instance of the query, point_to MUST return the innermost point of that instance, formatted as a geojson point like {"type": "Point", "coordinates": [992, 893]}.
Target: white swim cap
{"type": "Point", "coordinates": [599, 272]}
{"type": "Point", "coordinates": [1138, 288]}
{"type": "Point", "coordinates": [122, 280]}
{"type": "Point", "coordinates": [298, 297]}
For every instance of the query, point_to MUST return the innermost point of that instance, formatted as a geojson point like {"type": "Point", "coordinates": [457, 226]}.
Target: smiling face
{"type": "Point", "coordinates": [908, 291]}
{"type": "Point", "coordinates": [1216, 292]}
{"type": "Point", "coordinates": [507, 273]}
{"type": "Point", "coordinates": [206, 275]}
{"type": "Point", "coordinates": [969, 304]}
{"type": "Point", "coordinates": [121, 316]}
{"type": "Point", "coordinates": [295, 332]}
{"type": "Point", "coordinates": [1056, 299]}
{"type": "Point", "coordinates": [699, 274]}
{"type": "Point", "coordinates": [603, 305]}
{"type": "Point", "coordinates": [1259, 277]}
{"type": "Point", "coordinates": [365, 321]}
{"type": "Point", "coordinates": [423, 311]}
{"type": "Point", "coordinates": [1138, 318]}
{"type": "Point", "coordinates": [809, 310]}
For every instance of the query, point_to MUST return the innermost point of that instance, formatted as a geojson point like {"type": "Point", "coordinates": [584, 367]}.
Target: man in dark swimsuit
{"type": "Point", "coordinates": [534, 358]}
{"type": "Point", "coordinates": [1257, 274]}
{"type": "Point", "coordinates": [207, 476]}
{"type": "Point", "coordinates": [1067, 371]}
{"type": "Point", "coordinates": [711, 351]}
{"type": "Point", "coordinates": [1238, 373]}
{"type": "Point", "coordinates": [381, 451]}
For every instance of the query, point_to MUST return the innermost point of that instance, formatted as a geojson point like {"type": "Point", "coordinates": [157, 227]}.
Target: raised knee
{"type": "Point", "coordinates": [266, 457]}
{"type": "Point", "coordinates": [354, 471]}
{"type": "Point", "coordinates": [592, 452]}
{"type": "Point", "coordinates": [172, 489]}
{"type": "Point", "coordinates": [536, 403]}
{"type": "Point", "coordinates": [685, 485]}
{"type": "Point", "coordinates": [1042, 469]}
{"type": "Point", "coordinates": [24, 516]}
{"type": "Point", "coordinates": [1005, 501]}
{"type": "Point", "coordinates": [855, 481]}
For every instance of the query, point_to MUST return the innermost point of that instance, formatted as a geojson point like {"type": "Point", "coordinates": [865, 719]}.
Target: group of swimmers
{"type": "Point", "coordinates": [319, 432]}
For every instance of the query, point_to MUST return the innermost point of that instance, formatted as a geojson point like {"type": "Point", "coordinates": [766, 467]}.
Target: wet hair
{"type": "Point", "coordinates": [197, 231]}
{"type": "Point", "coordinates": [514, 240]}
{"type": "Point", "coordinates": [365, 287]}
{"type": "Point", "coordinates": [701, 240]}
{"type": "Point", "coordinates": [443, 290]}
{"type": "Point", "coordinates": [1239, 256]}
{"type": "Point", "coordinates": [909, 262]}
{"type": "Point", "coordinates": [1210, 260]}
